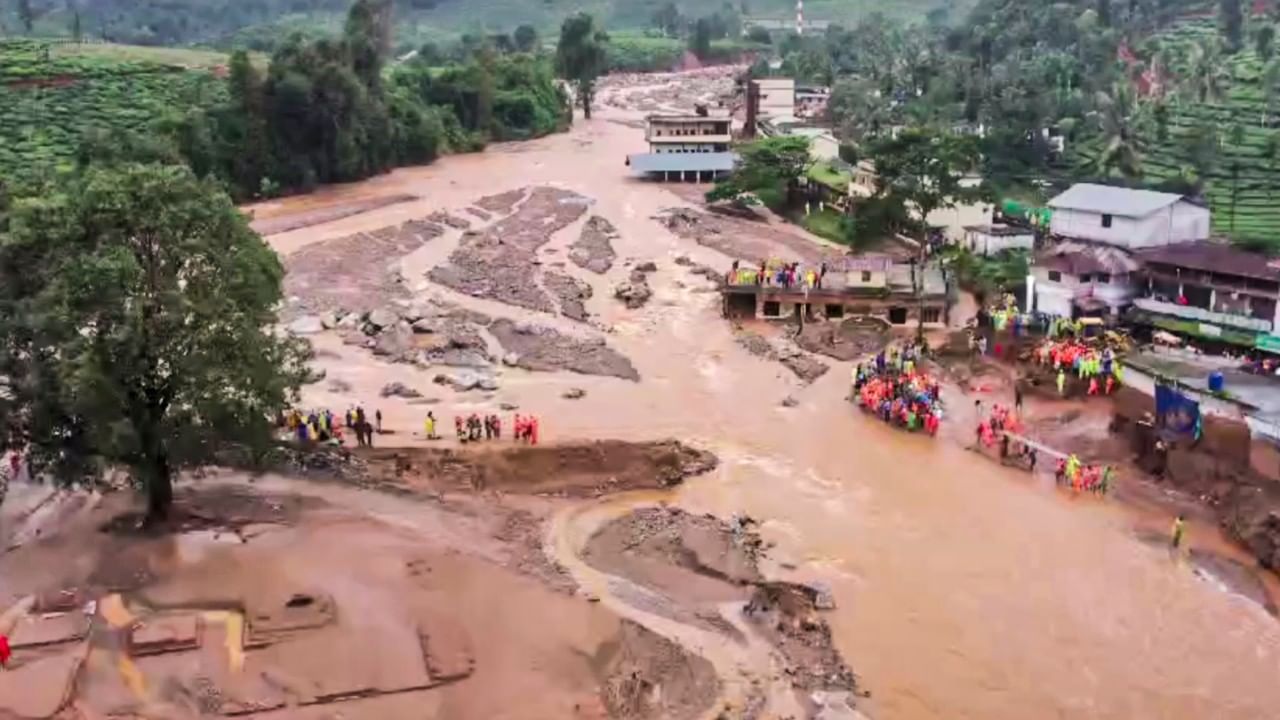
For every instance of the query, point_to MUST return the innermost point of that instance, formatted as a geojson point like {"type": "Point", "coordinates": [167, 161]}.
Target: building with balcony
{"type": "Point", "coordinates": [1210, 291]}
{"type": "Point", "coordinates": [1078, 279]}
{"type": "Point", "coordinates": [688, 148]}
{"type": "Point", "coordinates": [870, 286]}
{"type": "Point", "coordinates": [687, 133]}
{"type": "Point", "coordinates": [1127, 218]}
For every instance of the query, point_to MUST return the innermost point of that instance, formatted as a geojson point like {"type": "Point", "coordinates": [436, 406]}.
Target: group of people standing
{"type": "Point", "coordinates": [322, 426]}
{"type": "Point", "coordinates": [1098, 367]}
{"type": "Point", "coordinates": [1083, 478]}
{"type": "Point", "coordinates": [779, 274]}
{"type": "Point", "coordinates": [892, 388]}
{"type": "Point", "coordinates": [475, 428]}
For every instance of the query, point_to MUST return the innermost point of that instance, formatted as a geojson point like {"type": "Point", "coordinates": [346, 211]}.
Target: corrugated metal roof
{"type": "Point", "coordinates": [1213, 257]}
{"type": "Point", "coordinates": [1077, 258]}
{"type": "Point", "coordinates": [680, 162]}
{"type": "Point", "coordinates": [1113, 200]}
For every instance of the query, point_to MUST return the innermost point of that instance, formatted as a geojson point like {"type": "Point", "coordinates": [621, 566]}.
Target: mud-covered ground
{"type": "Point", "coordinates": [419, 609]}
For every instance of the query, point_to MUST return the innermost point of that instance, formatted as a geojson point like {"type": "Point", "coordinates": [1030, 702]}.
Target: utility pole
{"type": "Point", "coordinates": [800, 17]}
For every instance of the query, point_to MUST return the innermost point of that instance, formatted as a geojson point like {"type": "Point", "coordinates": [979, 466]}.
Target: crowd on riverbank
{"type": "Point", "coordinates": [895, 389]}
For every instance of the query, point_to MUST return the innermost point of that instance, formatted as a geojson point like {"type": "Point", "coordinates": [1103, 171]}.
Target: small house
{"type": "Point", "coordinates": [1127, 218]}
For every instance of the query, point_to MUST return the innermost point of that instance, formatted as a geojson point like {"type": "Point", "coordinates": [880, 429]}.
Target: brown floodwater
{"type": "Point", "coordinates": [964, 590]}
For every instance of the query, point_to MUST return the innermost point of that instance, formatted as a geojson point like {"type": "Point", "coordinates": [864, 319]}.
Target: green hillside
{"type": "Point", "coordinates": [1231, 145]}
{"type": "Point", "coordinates": [51, 100]}
{"type": "Point", "coordinates": [227, 23]}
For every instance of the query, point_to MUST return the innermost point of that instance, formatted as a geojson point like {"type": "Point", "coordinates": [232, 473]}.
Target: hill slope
{"type": "Point", "coordinates": [1232, 144]}
{"type": "Point", "coordinates": [50, 101]}
{"type": "Point", "coordinates": [224, 22]}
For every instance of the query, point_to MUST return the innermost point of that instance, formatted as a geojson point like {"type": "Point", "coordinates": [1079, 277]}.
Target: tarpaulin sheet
{"type": "Point", "coordinates": [1176, 412]}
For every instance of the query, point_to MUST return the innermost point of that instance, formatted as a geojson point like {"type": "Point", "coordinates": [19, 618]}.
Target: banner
{"type": "Point", "coordinates": [1176, 412]}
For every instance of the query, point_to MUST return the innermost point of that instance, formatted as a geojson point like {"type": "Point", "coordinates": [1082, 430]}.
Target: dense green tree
{"type": "Point", "coordinates": [757, 34]}
{"type": "Point", "coordinates": [581, 56]}
{"type": "Point", "coordinates": [1264, 41]}
{"type": "Point", "coordinates": [136, 314]}
{"type": "Point", "coordinates": [526, 38]}
{"type": "Point", "coordinates": [77, 33]}
{"type": "Point", "coordinates": [925, 170]}
{"type": "Point", "coordinates": [700, 38]}
{"type": "Point", "coordinates": [766, 168]}
{"type": "Point", "coordinates": [26, 15]}
{"type": "Point", "coordinates": [1231, 22]}
{"type": "Point", "coordinates": [668, 20]}
{"type": "Point", "coordinates": [1119, 117]}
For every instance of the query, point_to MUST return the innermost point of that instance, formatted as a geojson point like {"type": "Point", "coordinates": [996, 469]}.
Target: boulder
{"type": "Point", "coordinates": [511, 359]}
{"type": "Point", "coordinates": [508, 406]}
{"type": "Point", "coordinates": [789, 401]}
{"type": "Point", "coordinates": [573, 394]}
{"type": "Point", "coordinates": [633, 294]}
{"type": "Point", "coordinates": [383, 318]}
{"type": "Point", "coordinates": [330, 319]}
{"type": "Point", "coordinates": [350, 321]}
{"type": "Point", "coordinates": [395, 342]}
{"type": "Point", "coordinates": [463, 380]}
{"type": "Point", "coordinates": [306, 325]}
{"type": "Point", "coordinates": [426, 326]}
{"type": "Point", "coordinates": [647, 267]}
{"type": "Point", "coordinates": [399, 389]}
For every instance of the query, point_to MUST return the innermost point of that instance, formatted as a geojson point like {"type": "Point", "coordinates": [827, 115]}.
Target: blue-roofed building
{"type": "Point", "coordinates": [685, 148]}
{"type": "Point", "coordinates": [682, 167]}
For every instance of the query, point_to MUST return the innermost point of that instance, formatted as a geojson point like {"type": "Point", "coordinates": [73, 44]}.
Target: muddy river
{"type": "Point", "coordinates": [963, 590]}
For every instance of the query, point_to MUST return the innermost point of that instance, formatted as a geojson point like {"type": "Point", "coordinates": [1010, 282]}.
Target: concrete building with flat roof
{"type": "Point", "coordinates": [685, 148]}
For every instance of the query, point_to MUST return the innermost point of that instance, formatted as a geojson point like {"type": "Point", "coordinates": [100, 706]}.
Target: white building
{"type": "Point", "coordinates": [1075, 279]}
{"type": "Point", "coordinates": [990, 239]}
{"type": "Point", "coordinates": [1127, 218]}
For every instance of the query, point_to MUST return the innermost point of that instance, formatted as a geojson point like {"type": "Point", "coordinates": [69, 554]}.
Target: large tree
{"type": "Point", "coordinates": [136, 326]}
{"type": "Point", "coordinates": [582, 57]}
{"type": "Point", "coordinates": [766, 168]}
{"type": "Point", "coordinates": [925, 170]}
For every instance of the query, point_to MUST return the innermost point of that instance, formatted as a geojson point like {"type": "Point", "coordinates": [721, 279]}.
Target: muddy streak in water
{"type": "Point", "coordinates": [963, 590]}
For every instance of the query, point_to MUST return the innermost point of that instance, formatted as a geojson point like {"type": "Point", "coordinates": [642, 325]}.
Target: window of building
{"type": "Point", "coordinates": [772, 308]}
{"type": "Point", "coordinates": [835, 311]}
{"type": "Point", "coordinates": [897, 316]}
{"type": "Point", "coordinates": [931, 315]}
{"type": "Point", "coordinates": [1055, 276]}
{"type": "Point", "coordinates": [1103, 278]}
{"type": "Point", "coordinates": [1085, 278]}
{"type": "Point", "coordinates": [1106, 220]}
{"type": "Point", "coordinates": [866, 276]}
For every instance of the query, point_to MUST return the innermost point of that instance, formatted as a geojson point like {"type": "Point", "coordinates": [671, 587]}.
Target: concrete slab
{"type": "Point", "coordinates": [41, 630]}
{"type": "Point", "coordinates": [38, 689]}
{"type": "Point", "coordinates": [165, 633]}
{"type": "Point", "coordinates": [447, 650]}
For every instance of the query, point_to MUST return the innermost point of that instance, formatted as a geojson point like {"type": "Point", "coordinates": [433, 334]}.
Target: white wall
{"type": "Point", "coordinates": [1056, 296]}
{"type": "Point", "coordinates": [985, 244]}
{"type": "Point", "coordinates": [1190, 222]}
{"type": "Point", "coordinates": [953, 220]}
{"type": "Point", "coordinates": [1180, 222]}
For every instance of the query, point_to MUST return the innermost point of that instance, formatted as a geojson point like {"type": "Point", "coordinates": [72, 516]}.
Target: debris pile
{"type": "Point", "coordinates": [593, 250]}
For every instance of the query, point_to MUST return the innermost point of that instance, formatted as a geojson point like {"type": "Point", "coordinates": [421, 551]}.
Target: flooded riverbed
{"type": "Point", "coordinates": [963, 590]}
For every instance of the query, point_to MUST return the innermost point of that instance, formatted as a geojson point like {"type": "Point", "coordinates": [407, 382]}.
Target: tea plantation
{"type": "Point", "coordinates": [51, 98]}
{"type": "Point", "coordinates": [1238, 159]}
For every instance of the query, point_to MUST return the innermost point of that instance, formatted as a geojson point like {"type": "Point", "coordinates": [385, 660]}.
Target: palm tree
{"type": "Point", "coordinates": [1270, 90]}
{"type": "Point", "coordinates": [1206, 72]}
{"type": "Point", "coordinates": [1120, 118]}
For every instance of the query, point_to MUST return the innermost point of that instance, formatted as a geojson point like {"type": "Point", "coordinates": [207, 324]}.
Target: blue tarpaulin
{"type": "Point", "coordinates": [1176, 412]}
